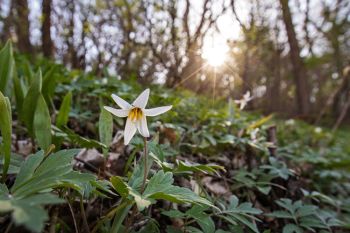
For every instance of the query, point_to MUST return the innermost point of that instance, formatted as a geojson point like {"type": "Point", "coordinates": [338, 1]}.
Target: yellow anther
{"type": "Point", "coordinates": [135, 114]}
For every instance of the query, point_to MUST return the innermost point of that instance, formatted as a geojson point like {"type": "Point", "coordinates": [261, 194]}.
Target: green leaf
{"type": "Point", "coordinates": [32, 217]}
{"type": "Point", "coordinates": [280, 214]}
{"type": "Point", "coordinates": [141, 201]}
{"type": "Point", "coordinates": [30, 102]}
{"type": "Point", "coordinates": [63, 113]}
{"type": "Point", "coordinates": [42, 124]}
{"type": "Point", "coordinates": [160, 182]}
{"type": "Point", "coordinates": [19, 93]}
{"type": "Point", "coordinates": [7, 65]}
{"type": "Point", "coordinates": [3, 190]}
{"type": "Point", "coordinates": [306, 210]}
{"type": "Point", "coordinates": [196, 167]}
{"type": "Point", "coordinates": [204, 220]}
{"type": "Point", "coordinates": [238, 214]}
{"type": "Point", "coordinates": [120, 186]}
{"type": "Point", "coordinates": [121, 212]}
{"type": "Point", "coordinates": [105, 128]}
{"type": "Point", "coordinates": [160, 187]}
{"type": "Point", "coordinates": [292, 228]}
{"type": "Point", "coordinates": [28, 168]}
{"type": "Point", "coordinates": [49, 84]}
{"type": "Point", "coordinates": [6, 131]}
{"type": "Point", "coordinates": [82, 141]}
{"type": "Point", "coordinates": [54, 171]}
{"type": "Point", "coordinates": [15, 164]}
{"type": "Point", "coordinates": [174, 214]}
{"type": "Point", "coordinates": [28, 211]}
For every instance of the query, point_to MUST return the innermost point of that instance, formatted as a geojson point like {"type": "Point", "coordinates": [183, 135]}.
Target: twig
{"type": "Point", "coordinates": [83, 215]}
{"type": "Point", "coordinates": [342, 114]}
{"type": "Point", "coordinates": [9, 227]}
{"type": "Point", "coordinates": [53, 220]}
{"type": "Point", "coordinates": [145, 172]}
{"type": "Point", "coordinates": [73, 216]}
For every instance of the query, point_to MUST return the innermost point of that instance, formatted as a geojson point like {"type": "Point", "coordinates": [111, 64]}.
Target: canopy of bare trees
{"type": "Point", "coordinates": [292, 56]}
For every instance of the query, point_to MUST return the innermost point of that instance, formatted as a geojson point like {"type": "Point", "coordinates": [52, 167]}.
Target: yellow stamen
{"type": "Point", "coordinates": [135, 114]}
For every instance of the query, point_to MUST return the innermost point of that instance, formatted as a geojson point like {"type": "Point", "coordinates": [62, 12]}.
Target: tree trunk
{"type": "Point", "coordinates": [47, 44]}
{"type": "Point", "coordinates": [22, 25]}
{"type": "Point", "coordinates": [299, 71]}
{"type": "Point", "coordinates": [8, 22]}
{"type": "Point", "coordinates": [273, 92]}
{"type": "Point", "coordinates": [73, 54]}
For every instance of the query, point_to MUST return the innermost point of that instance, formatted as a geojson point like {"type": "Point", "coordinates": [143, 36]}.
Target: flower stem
{"type": "Point", "coordinates": [145, 170]}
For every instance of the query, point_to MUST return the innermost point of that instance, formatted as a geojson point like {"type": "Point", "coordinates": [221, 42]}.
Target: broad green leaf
{"type": "Point", "coordinates": [105, 128]}
{"type": "Point", "coordinates": [28, 168]}
{"type": "Point", "coordinates": [81, 182]}
{"type": "Point", "coordinates": [3, 190]}
{"type": "Point", "coordinates": [19, 93]}
{"type": "Point", "coordinates": [6, 131]}
{"type": "Point", "coordinates": [152, 226]}
{"type": "Point", "coordinates": [238, 214]}
{"type": "Point", "coordinates": [30, 102]}
{"type": "Point", "coordinates": [204, 220]}
{"type": "Point", "coordinates": [306, 210]}
{"type": "Point", "coordinates": [63, 114]}
{"type": "Point", "coordinates": [7, 66]}
{"type": "Point", "coordinates": [82, 141]}
{"type": "Point", "coordinates": [287, 204]}
{"type": "Point", "coordinates": [121, 212]}
{"type": "Point", "coordinates": [280, 214]}
{"type": "Point", "coordinates": [42, 124]}
{"type": "Point", "coordinates": [29, 212]}
{"type": "Point", "coordinates": [135, 181]}
{"type": "Point", "coordinates": [48, 174]}
{"type": "Point", "coordinates": [49, 84]}
{"type": "Point", "coordinates": [160, 182]}
{"type": "Point", "coordinates": [292, 228]}
{"type": "Point", "coordinates": [174, 214]}
{"type": "Point", "coordinates": [141, 201]}
{"type": "Point", "coordinates": [160, 187]}
{"type": "Point", "coordinates": [119, 186]}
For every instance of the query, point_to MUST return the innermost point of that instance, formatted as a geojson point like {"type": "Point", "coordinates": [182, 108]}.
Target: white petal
{"type": "Point", "coordinates": [129, 132]}
{"type": "Point", "coordinates": [117, 112]}
{"type": "Point", "coordinates": [142, 99]}
{"type": "Point", "coordinates": [121, 103]}
{"type": "Point", "coordinates": [142, 127]}
{"type": "Point", "coordinates": [156, 111]}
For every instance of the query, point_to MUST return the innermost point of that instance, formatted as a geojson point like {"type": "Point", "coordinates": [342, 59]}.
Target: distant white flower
{"type": "Point", "coordinates": [244, 101]}
{"type": "Point", "coordinates": [318, 130]}
{"type": "Point", "coordinates": [290, 122]}
{"type": "Point", "coordinates": [136, 114]}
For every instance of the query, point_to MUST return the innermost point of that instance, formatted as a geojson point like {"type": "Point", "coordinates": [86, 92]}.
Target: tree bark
{"type": "Point", "coordinates": [8, 22]}
{"type": "Point", "coordinates": [22, 25]}
{"type": "Point", "coordinates": [273, 92]}
{"type": "Point", "coordinates": [73, 55]}
{"type": "Point", "coordinates": [47, 45]}
{"type": "Point", "coordinates": [298, 67]}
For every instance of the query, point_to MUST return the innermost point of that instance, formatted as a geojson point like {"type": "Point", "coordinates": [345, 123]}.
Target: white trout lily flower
{"type": "Point", "coordinates": [244, 101]}
{"type": "Point", "coordinates": [136, 114]}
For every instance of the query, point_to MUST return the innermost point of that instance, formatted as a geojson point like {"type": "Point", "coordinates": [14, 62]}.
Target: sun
{"type": "Point", "coordinates": [215, 53]}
